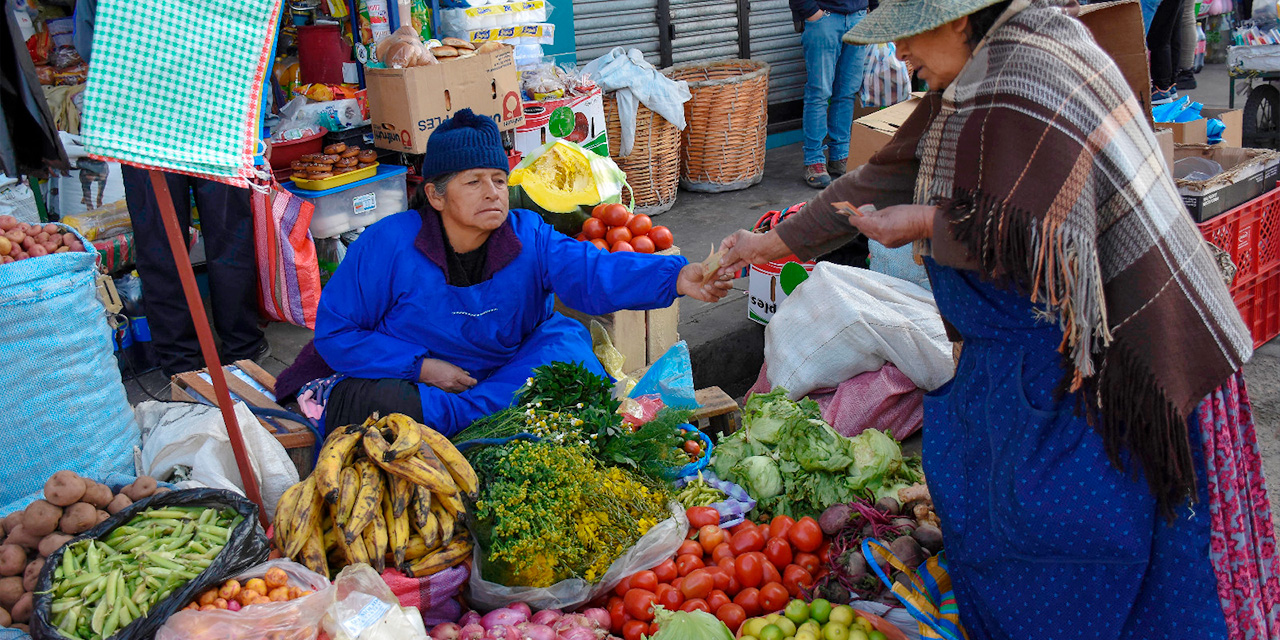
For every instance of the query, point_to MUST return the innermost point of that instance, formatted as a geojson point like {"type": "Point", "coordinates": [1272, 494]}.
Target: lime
{"type": "Point", "coordinates": [858, 634]}
{"type": "Point", "coordinates": [864, 623]}
{"type": "Point", "coordinates": [797, 611]}
{"type": "Point", "coordinates": [772, 632]}
{"type": "Point", "coordinates": [811, 627]}
{"type": "Point", "coordinates": [842, 614]}
{"type": "Point", "coordinates": [836, 631]}
{"type": "Point", "coordinates": [788, 627]}
{"type": "Point", "coordinates": [807, 635]}
{"type": "Point", "coordinates": [876, 635]}
{"type": "Point", "coordinates": [772, 618]}
{"type": "Point", "coordinates": [820, 611]}
{"type": "Point", "coordinates": [754, 626]}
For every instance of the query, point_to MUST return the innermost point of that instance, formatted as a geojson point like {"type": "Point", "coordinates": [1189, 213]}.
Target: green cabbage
{"type": "Point", "coordinates": [732, 450]}
{"type": "Point", "coordinates": [688, 625]}
{"type": "Point", "coordinates": [815, 446]}
{"type": "Point", "coordinates": [876, 457]}
{"type": "Point", "coordinates": [759, 475]}
{"type": "Point", "coordinates": [765, 414]}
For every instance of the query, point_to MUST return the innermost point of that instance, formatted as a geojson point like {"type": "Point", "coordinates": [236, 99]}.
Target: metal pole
{"type": "Point", "coordinates": [205, 334]}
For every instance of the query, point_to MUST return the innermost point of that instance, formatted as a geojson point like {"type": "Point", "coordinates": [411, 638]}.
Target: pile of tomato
{"type": "Point", "coordinates": [746, 571]}
{"type": "Point", "coordinates": [612, 228]}
{"type": "Point", "coordinates": [689, 442]}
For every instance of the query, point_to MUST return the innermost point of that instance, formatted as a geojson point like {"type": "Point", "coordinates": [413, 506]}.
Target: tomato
{"type": "Point", "coordinates": [824, 552]}
{"type": "Point", "coordinates": [693, 447]}
{"type": "Point", "coordinates": [670, 597]}
{"type": "Point", "coordinates": [808, 562]}
{"type": "Point", "coordinates": [593, 228]}
{"type": "Point", "coordinates": [717, 599]}
{"type": "Point", "coordinates": [771, 573]}
{"type": "Point", "coordinates": [677, 582]}
{"type": "Point", "coordinates": [689, 548]}
{"type": "Point", "coordinates": [778, 551]}
{"type": "Point", "coordinates": [702, 516]}
{"type": "Point", "coordinates": [695, 605]}
{"type": "Point", "coordinates": [662, 238]}
{"type": "Point", "coordinates": [773, 597]}
{"type": "Point", "coordinates": [623, 587]}
{"type": "Point", "coordinates": [734, 586]}
{"type": "Point", "coordinates": [806, 535]}
{"type": "Point", "coordinates": [698, 584]}
{"type": "Point", "coordinates": [580, 237]}
{"type": "Point", "coordinates": [638, 603]}
{"type": "Point", "coordinates": [732, 616]}
{"type": "Point", "coordinates": [613, 215]}
{"type": "Point", "coordinates": [617, 613]}
{"type": "Point", "coordinates": [666, 572]}
{"type": "Point", "coordinates": [747, 540]}
{"type": "Point", "coordinates": [749, 571]}
{"type": "Point", "coordinates": [749, 600]}
{"type": "Point", "coordinates": [622, 247]}
{"type": "Point", "coordinates": [646, 580]}
{"type": "Point", "coordinates": [730, 565]}
{"type": "Point", "coordinates": [643, 244]}
{"type": "Point", "coordinates": [640, 224]}
{"type": "Point", "coordinates": [780, 526]}
{"type": "Point", "coordinates": [634, 629]}
{"type": "Point", "coordinates": [722, 552]}
{"type": "Point", "coordinates": [711, 536]}
{"type": "Point", "coordinates": [745, 524]}
{"type": "Point", "coordinates": [653, 629]}
{"type": "Point", "coordinates": [797, 580]}
{"type": "Point", "coordinates": [600, 244]}
{"type": "Point", "coordinates": [721, 575]}
{"type": "Point", "coordinates": [689, 563]}
{"type": "Point", "coordinates": [598, 210]}
{"type": "Point", "coordinates": [617, 234]}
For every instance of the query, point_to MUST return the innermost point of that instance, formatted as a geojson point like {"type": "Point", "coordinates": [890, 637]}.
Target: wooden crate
{"type": "Point", "coordinates": [719, 415]}
{"type": "Point", "coordinates": [297, 439]}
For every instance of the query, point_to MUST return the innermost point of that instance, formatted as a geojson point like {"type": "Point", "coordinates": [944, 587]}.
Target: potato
{"type": "Point", "coordinates": [160, 490]}
{"type": "Point", "coordinates": [41, 518]}
{"type": "Point", "coordinates": [13, 559]}
{"type": "Point", "coordinates": [21, 611]}
{"type": "Point", "coordinates": [32, 575]}
{"type": "Point", "coordinates": [65, 488]}
{"type": "Point", "coordinates": [5, 620]}
{"type": "Point", "coordinates": [11, 521]}
{"type": "Point", "coordinates": [20, 537]}
{"type": "Point", "coordinates": [117, 503]}
{"type": "Point", "coordinates": [10, 591]}
{"type": "Point", "coordinates": [78, 518]}
{"type": "Point", "coordinates": [52, 542]}
{"type": "Point", "coordinates": [102, 516]}
{"type": "Point", "coordinates": [141, 488]}
{"type": "Point", "coordinates": [21, 627]}
{"type": "Point", "coordinates": [98, 495]}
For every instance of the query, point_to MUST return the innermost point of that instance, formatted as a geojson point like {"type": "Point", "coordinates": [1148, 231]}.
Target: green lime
{"type": "Point", "coordinates": [811, 627]}
{"type": "Point", "coordinates": [788, 627]}
{"type": "Point", "coordinates": [858, 634]}
{"type": "Point", "coordinates": [842, 614]}
{"type": "Point", "coordinates": [807, 635]}
{"type": "Point", "coordinates": [797, 611]}
{"type": "Point", "coordinates": [876, 635]}
{"type": "Point", "coordinates": [561, 122]}
{"type": "Point", "coordinates": [754, 626]}
{"type": "Point", "coordinates": [836, 631]}
{"type": "Point", "coordinates": [772, 632]}
{"type": "Point", "coordinates": [791, 277]}
{"type": "Point", "coordinates": [820, 611]}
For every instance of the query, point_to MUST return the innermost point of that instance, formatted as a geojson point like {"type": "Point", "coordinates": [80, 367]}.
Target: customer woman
{"type": "Point", "coordinates": [443, 313]}
{"type": "Point", "coordinates": [1064, 458]}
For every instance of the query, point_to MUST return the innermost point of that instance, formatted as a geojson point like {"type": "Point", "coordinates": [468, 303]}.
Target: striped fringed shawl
{"type": "Point", "coordinates": [1044, 165]}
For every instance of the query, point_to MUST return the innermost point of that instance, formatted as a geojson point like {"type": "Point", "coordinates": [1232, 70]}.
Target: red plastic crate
{"type": "Point", "coordinates": [1251, 234]}
{"type": "Point", "coordinates": [1259, 305]}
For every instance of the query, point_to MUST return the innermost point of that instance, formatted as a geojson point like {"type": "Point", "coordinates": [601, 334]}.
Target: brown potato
{"type": "Point", "coordinates": [13, 559]}
{"type": "Point", "coordinates": [102, 516]}
{"type": "Point", "coordinates": [117, 503]}
{"type": "Point", "coordinates": [65, 488]}
{"type": "Point", "coordinates": [41, 518]}
{"type": "Point", "coordinates": [78, 518]}
{"type": "Point", "coordinates": [142, 487]}
{"type": "Point", "coordinates": [21, 627]}
{"type": "Point", "coordinates": [98, 495]}
{"type": "Point", "coordinates": [5, 620]}
{"type": "Point", "coordinates": [11, 521]}
{"type": "Point", "coordinates": [20, 537]}
{"type": "Point", "coordinates": [51, 543]}
{"type": "Point", "coordinates": [10, 591]}
{"type": "Point", "coordinates": [21, 610]}
{"type": "Point", "coordinates": [32, 575]}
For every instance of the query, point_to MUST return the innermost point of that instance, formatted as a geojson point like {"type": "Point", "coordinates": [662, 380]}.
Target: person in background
{"type": "Point", "coordinates": [834, 79]}
{"type": "Point", "coordinates": [226, 224]}
{"type": "Point", "coordinates": [1185, 41]}
{"type": "Point", "coordinates": [1163, 24]}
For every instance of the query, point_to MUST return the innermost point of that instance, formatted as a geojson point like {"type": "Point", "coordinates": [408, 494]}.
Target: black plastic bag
{"type": "Point", "coordinates": [246, 546]}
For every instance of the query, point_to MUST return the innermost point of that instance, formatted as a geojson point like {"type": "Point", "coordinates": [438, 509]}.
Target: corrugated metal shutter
{"type": "Point", "coordinates": [774, 40]}
{"type": "Point", "coordinates": [601, 25]}
{"type": "Point", "coordinates": [703, 30]}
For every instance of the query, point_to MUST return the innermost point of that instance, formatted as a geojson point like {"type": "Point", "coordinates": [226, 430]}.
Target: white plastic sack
{"type": "Point", "coordinates": [886, 80]}
{"type": "Point", "coordinates": [844, 321]}
{"type": "Point", "coordinates": [638, 82]}
{"type": "Point", "coordinates": [193, 435]}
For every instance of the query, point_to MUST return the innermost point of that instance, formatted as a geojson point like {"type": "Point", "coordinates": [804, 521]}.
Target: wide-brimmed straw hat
{"type": "Point", "coordinates": [897, 19]}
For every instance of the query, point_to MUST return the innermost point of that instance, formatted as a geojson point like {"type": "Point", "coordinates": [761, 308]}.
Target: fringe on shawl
{"type": "Point", "coordinates": [1120, 396]}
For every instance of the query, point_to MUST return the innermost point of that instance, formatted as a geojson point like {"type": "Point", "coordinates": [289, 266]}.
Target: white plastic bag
{"type": "Point", "coordinates": [886, 80]}
{"type": "Point", "coordinates": [365, 609]}
{"type": "Point", "coordinates": [297, 619]}
{"type": "Point", "coordinates": [638, 82]}
{"type": "Point", "coordinates": [844, 321]}
{"type": "Point", "coordinates": [176, 434]}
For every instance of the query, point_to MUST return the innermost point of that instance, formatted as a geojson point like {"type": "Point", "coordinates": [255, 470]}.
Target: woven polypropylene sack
{"type": "Point", "coordinates": [63, 405]}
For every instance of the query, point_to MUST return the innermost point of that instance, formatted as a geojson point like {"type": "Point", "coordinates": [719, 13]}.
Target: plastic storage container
{"type": "Point", "coordinates": [1250, 234]}
{"type": "Point", "coordinates": [358, 204]}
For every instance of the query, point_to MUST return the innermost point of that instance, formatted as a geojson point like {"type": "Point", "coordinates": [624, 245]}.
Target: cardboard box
{"type": "Point", "coordinates": [1117, 27]}
{"type": "Point", "coordinates": [1234, 121]}
{"type": "Point", "coordinates": [1247, 174]}
{"type": "Point", "coordinates": [768, 285]}
{"type": "Point", "coordinates": [578, 119]}
{"type": "Point", "coordinates": [1193, 132]}
{"type": "Point", "coordinates": [874, 130]}
{"type": "Point", "coordinates": [1164, 140]}
{"type": "Point", "coordinates": [406, 105]}
{"type": "Point", "coordinates": [1196, 131]}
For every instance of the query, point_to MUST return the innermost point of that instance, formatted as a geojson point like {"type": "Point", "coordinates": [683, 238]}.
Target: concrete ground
{"type": "Point", "coordinates": [727, 348]}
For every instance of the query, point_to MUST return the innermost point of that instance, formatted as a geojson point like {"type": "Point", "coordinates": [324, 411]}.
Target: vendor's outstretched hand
{"type": "Point", "coordinates": [896, 226]}
{"type": "Point", "coordinates": [745, 248]}
{"type": "Point", "coordinates": [691, 284]}
{"type": "Point", "coordinates": [445, 376]}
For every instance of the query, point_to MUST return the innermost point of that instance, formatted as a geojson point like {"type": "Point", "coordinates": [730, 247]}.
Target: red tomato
{"type": "Point", "coordinates": [722, 576]}
{"type": "Point", "coordinates": [749, 572]}
{"type": "Point", "coordinates": [580, 238]}
{"type": "Point", "coordinates": [732, 616]}
{"type": "Point", "coordinates": [634, 629]}
{"type": "Point", "coordinates": [824, 552]}
{"type": "Point", "coordinates": [613, 215]}
{"type": "Point", "coordinates": [670, 597]}
{"type": "Point", "coordinates": [771, 573]}
{"type": "Point", "coordinates": [778, 551]}
{"type": "Point", "coordinates": [677, 582]}
{"type": "Point", "coordinates": [662, 238]}
{"type": "Point", "coordinates": [780, 526]}
{"type": "Point", "coordinates": [622, 247]}
{"type": "Point", "coordinates": [593, 228]}
{"type": "Point", "coordinates": [598, 210]}
{"type": "Point", "coordinates": [666, 571]}
{"type": "Point", "coordinates": [695, 605]}
{"type": "Point", "coordinates": [808, 562]}
{"type": "Point", "coordinates": [643, 244]}
{"type": "Point", "coordinates": [730, 565]}
{"type": "Point", "coordinates": [646, 580]}
{"type": "Point", "coordinates": [623, 587]}
{"type": "Point", "coordinates": [749, 600]}
{"type": "Point", "coordinates": [617, 234]}
{"type": "Point", "coordinates": [600, 244]}
{"type": "Point", "coordinates": [689, 548]}
{"type": "Point", "coordinates": [806, 535]}
{"type": "Point", "coordinates": [747, 540]}
{"type": "Point", "coordinates": [745, 524]}
{"type": "Point", "coordinates": [722, 552]}
{"type": "Point", "coordinates": [717, 599]}
{"type": "Point", "coordinates": [653, 629]}
{"type": "Point", "coordinates": [638, 604]}
{"type": "Point", "coordinates": [693, 447]}
{"type": "Point", "coordinates": [711, 537]}
{"type": "Point", "coordinates": [773, 597]}
{"type": "Point", "coordinates": [688, 563]}
{"type": "Point", "coordinates": [734, 586]}
{"type": "Point", "coordinates": [698, 584]}
{"type": "Point", "coordinates": [640, 225]}
{"type": "Point", "coordinates": [702, 516]}
{"type": "Point", "coordinates": [796, 580]}
{"type": "Point", "coordinates": [617, 613]}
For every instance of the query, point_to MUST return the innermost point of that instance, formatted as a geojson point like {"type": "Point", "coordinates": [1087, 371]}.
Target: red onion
{"type": "Point", "coordinates": [577, 633]}
{"type": "Point", "coordinates": [599, 616]}
{"type": "Point", "coordinates": [502, 632]}
{"type": "Point", "coordinates": [537, 632]}
{"type": "Point", "coordinates": [522, 608]}
{"type": "Point", "coordinates": [546, 618]}
{"type": "Point", "coordinates": [471, 632]}
{"type": "Point", "coordinates": [446, 631]}
{"type": "Point", "coordinates": [470, 617]}
{"type": "Point", "coordinates": [504, 617]}
{"type": "Point", "coordinates": [573, 620]}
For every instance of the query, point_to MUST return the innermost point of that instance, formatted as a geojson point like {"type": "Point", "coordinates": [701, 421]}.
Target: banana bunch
{"type": "Point", "coordinates": [387, 493]}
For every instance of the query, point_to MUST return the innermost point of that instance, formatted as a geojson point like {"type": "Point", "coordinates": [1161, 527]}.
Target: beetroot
{"type": "Point", "coordinates": [929, 537]}
{"type": "Point", "coordinates": [908, 551]}
{"type": "Point", "coordinates": [835, 518]}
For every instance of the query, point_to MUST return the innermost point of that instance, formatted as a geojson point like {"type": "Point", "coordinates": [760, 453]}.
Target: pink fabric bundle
{"type": "Point", "coordinates": [435, 596]}
{"type": "Point", "coordinates": [886, 399]}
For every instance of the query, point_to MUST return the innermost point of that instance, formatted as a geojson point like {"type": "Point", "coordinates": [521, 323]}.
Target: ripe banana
{"type": "Point", "coordinates": [402, 492]}
{"type": "Point", "coordinates": [451, 502]}
{"type": "Point", "coordinates": [313, 555]}
{"type": "Point", "coordinates": [348, 489]}
{"type": "Point", "coordinates": [286, 514]}
{"type": "Point", "coordinates": [446, 521]}
{"type": "Point", "coordinates": [456, 552]}
{"type": "Point", "coordinates": [305, 519]}
{"type": "Point", "coordinates": [417, 548]}
{"type": "Point", "coordinates": [397, 531]}
{"type": "Point", "coordinates": [414, 468]}
{"type": "Point", "coordinates": [420, 507]}
{"type": "Point", "coordinates": [359, 553]}
{"type": "Point", "coordinates": [408, 437]}
{"type": "Point", "coordinates": [367, 501]}
{"type": "Point", "coordinates": [458, 467]}
{"type": "Point", "coordinates": [375, 541]}
{"type": "Point", "coordinates": [333, 456]}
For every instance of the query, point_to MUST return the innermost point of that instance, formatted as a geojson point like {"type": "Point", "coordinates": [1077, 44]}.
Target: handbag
{"type": "Point", "coordinates": [928, 598]}
{"type": "Point", "coordinates": [288, 270]}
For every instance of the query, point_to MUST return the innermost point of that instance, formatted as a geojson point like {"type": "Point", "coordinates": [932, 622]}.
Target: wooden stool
{"type": "Point", "coordinates": [720, 414]}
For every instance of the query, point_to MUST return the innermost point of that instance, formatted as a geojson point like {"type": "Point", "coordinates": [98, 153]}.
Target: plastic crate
{"type": "Point", "coordinates": [1259, 304]}
{"type": "Point", "coordinates": [1250, 233]}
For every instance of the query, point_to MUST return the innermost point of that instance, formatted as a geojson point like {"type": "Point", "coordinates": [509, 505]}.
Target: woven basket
{"type": "Point", "coordinates": [722, 148]}
{"type": "Point", "coordinates": [653, 168]}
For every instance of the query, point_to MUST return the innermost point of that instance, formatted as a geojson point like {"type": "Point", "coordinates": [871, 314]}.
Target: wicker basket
{"type": "Point", "coordinates": [722, 147]}
{"type": "Point", "coordinates": [653, 168]}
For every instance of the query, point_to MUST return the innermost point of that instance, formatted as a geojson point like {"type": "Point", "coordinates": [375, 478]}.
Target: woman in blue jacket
{"type": "Point", "coordinates": [443, 313]}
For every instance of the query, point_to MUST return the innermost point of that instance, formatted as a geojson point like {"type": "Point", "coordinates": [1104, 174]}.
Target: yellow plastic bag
{"type": "Point", "coordinates": [612, 360]}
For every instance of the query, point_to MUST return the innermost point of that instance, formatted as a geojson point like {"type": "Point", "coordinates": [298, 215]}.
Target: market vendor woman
{"type": "Point", "coordinates": [443, 313]}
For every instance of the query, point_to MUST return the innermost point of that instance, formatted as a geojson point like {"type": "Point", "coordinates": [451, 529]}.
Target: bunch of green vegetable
{"type": "Point", "coordinates": [103, 585]}
{"type": "Point", "coordinates": [795, 464]}
{"type": "Point", "coordinates": [699, 494]}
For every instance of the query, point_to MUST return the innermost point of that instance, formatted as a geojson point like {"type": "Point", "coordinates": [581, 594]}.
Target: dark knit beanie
{"type": "Point", "coordinates": [465, 141]}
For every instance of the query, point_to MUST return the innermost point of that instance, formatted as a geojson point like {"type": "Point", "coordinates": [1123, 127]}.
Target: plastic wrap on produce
{"type": "Point", "coordinates": [737, 503]}
{"type": "Point", "coordinates": [297, 619]}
